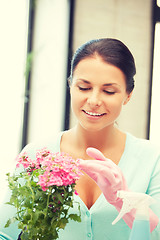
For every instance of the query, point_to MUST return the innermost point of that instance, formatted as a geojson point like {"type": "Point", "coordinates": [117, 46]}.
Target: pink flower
{"type": "Point", "coordinates": [24, 160]}
{"type": "Point", "coordinates": [54, 168]}
{"type": "Point", "coordinates": [76, 193]}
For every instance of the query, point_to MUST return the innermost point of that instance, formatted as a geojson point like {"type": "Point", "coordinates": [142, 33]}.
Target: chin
{"type": "Point", "coordinates": [92, 128]}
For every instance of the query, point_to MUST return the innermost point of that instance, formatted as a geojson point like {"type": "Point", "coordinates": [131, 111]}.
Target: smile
{"type": "Point", "coordinates": [94, 114]}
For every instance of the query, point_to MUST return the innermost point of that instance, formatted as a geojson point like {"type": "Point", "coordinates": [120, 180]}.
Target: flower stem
{"type": "Point", "coordinates": [33, 196]}
{"type": "Point", "coordinates": [46, 210]}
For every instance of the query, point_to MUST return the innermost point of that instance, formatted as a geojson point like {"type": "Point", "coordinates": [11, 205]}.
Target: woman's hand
{"type": "Point", "coordinates": [105, 173]}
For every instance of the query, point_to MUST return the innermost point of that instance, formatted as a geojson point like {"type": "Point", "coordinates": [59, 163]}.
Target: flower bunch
{"type": "Point", "coordinates": [42, 193]}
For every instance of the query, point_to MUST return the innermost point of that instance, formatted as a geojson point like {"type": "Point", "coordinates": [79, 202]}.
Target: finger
{"type": "Point", "coordinates": [95, 153]}
{"type": "Point", "coordinates": [98, 163]}
{"type": "Point", "coordinates": [97, 169]}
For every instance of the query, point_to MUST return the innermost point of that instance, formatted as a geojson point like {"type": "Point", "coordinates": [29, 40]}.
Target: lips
{"type": "Point", "coordinates": [93, 114]}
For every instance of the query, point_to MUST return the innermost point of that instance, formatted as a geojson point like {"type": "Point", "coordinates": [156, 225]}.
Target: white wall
{"type": "Point", "coordinates": [49, 69]}
{"type": "Point", "coordinates": [13, 44]}
{"type": "Point", "coordinates": [129, 21]}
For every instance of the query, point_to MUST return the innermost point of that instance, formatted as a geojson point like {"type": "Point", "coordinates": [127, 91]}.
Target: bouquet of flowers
{"type": "Point", "coordinates": [42, 193]}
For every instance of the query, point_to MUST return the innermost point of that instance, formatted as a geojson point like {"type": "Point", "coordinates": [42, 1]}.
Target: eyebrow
{"type": "Point", "coordinates": [105, 85]}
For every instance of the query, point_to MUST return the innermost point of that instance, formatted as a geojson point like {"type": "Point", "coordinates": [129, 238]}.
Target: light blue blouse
{"type": "Point", "coordinates": [140, 164]}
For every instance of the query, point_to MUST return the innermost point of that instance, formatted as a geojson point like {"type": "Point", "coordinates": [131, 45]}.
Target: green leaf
{"type": "Point", "coordinates": [10, 221]}
{"type": "Point", "coordinates": [28, 203]}
{"type": "Point", "coordinates": [75, 217]}
{"type": "Point", "coordinates": [62, 223]}
{"type": "Point", "coordinates": [9, 203]}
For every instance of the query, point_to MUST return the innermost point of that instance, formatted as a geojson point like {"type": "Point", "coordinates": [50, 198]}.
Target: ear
{"type": "Point", "coordinates": [69, 81]}
{"type": "Point", "coordinates": [69, 84]}
{"type": "Point", "coordinates": [128, 97]}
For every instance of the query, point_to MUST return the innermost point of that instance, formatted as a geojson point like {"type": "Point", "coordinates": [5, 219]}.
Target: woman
{"type": "Point", "coordinates": [101, 83]}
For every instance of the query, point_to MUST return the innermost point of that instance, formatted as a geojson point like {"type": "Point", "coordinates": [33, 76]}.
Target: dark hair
{"type": "Point", "coordinates": [112, 51]}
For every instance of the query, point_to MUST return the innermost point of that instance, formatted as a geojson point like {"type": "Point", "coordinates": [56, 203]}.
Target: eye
{"type": "Point", "coordinates": [84, 88]}
{"type": "Point", "coordinates": [109, 92]}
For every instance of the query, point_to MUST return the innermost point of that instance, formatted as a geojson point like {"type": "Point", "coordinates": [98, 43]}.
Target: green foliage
{"type": "Point", "coordinates": [29, 61]}
{"type": "Point", "coordinates": [40, 214]}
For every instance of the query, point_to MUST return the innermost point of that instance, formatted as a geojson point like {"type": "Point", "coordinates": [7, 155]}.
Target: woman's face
{"type": "Point", "coordinates": [98, 92]}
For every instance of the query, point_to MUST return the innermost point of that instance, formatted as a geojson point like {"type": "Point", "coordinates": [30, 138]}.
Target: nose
{"type": "Point", "coordinates": [94, 99]}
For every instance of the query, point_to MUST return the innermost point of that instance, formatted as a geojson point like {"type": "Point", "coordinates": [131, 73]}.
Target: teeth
{"type": "Point", "coordinates": [93, 114]}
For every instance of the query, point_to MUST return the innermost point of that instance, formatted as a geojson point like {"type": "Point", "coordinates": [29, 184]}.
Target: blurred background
{"type": "Point", "coordinates": [37, 41]}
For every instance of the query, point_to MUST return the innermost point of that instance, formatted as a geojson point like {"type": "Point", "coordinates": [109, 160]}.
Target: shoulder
{"type": "Point", "coordinates": [142, 147]}
{"type": "Point", "coordinates": [141, 161]}
{"type": "Point", "coordinates": [140, 142]}
{"type": "Point", "coordinates": [52, 144]}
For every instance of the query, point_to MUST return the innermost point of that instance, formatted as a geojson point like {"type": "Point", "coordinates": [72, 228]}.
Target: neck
{"type": "Point", "coordinates": [97, 139]}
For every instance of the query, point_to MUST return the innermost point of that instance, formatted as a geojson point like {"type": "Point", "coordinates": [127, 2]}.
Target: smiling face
{"type": "Point", "coordinates": [98, 92]}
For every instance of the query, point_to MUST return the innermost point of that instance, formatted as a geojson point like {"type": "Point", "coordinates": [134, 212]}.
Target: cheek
{"type": "Point", "coordinates": [76, 101]}
{"type": "Point", "coordinates": [115, 105]}
{"type": "Point", "coordinates": [115, 101]}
